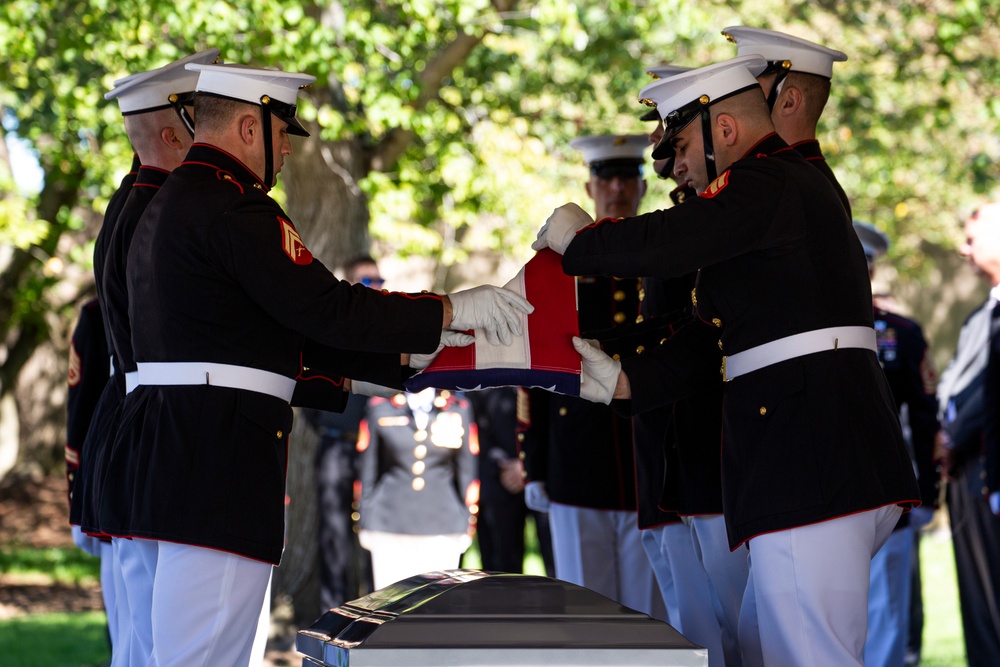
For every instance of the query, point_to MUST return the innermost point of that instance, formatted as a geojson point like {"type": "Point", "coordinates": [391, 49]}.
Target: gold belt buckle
{"type": "Point", "coordinates": [723, 369]}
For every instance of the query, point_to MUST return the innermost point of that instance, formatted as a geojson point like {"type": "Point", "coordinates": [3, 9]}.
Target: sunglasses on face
{"type": "Point", "coordinates": [372, 282]}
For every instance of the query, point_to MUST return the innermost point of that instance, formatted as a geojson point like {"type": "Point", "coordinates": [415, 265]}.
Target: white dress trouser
{"type": "Point", "coordinates": [110, 581]}
{"type": "Point", "coordinates": [696, 620]}
{"type": "Point", "coordinates": [137, 563]}
{"type": "Point", "coordinates": [206, 606]}
{"type": "Point", "coordinates": [727, 578]}
{"type": "Point", "coordinates": [808, 590]}
{"type": "Point", "coordinates": [889, 601]}
{"type": "Point", "coordinates": [651, 539]}
{"type": "Point", "coordinates": [602, 550]}
{"type": "Point", "coordinates": [397, 556]}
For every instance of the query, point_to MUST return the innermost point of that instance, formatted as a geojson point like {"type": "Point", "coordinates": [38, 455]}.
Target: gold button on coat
{"type": "Point", "coordinates": [418, 483]}
{"type": "Point", "coordinates": [619, 318]}
{"type": "Point", "coordinates": [563, 411]}
{"type": "Point", "coordinates": [619, 295]}
{"type": "Point", "coordinates": [280, 433]}
{"type": "Point", "coordinates": [420, 451]}
{"type": "Point", "coordinates": [418, 467]}
{"type": "Point", "coordinates": [640, 349]}
{"type": "Point", "coordinates": [763, 411]}
{"type": "Point", "coordinates": [716, 321]}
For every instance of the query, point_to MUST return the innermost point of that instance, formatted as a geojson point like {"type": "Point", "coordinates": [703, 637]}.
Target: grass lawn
{"type": "Point", "coordinates": [78, 640]}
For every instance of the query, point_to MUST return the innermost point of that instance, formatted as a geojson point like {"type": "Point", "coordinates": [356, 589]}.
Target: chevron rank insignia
{"type": "Point", "coordinates": [292, 243]}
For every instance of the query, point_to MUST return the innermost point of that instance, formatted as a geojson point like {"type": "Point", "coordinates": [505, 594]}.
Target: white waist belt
{"type": "Point", "coordinates": [218, 375]}
{"type": "Point", "coordinates": [797, 345]}
{"type": "Point", "coordinates": [131, 381]}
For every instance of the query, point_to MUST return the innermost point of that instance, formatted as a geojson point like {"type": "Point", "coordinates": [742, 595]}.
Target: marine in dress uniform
{"type": "Point", "coordinates": [812, 451]}
{"type": "Point", "coordinates": [223, 293]}
{"type": "Point", "coordinates": [678, 469]}
{"type": "Point", "coordinates": [967, 408]}
{"type": "Point", "coordinates": [582, 453]}
{"type": "Point", "coordinates": [78, 466]}
{"type": "Point", "coordinates": [418, 483]}
{"type": "Point", "coordinates": [159, 126]}
{"type": "Point", "coordinates": [796, 83]}
{"type": "Point", "coordinates": [909, 370]}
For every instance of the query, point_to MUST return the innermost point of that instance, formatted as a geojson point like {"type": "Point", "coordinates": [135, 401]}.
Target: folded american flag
{"type": "Point", "coordinates": [543, 356]}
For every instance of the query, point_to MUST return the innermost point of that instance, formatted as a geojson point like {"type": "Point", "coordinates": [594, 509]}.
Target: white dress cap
{"type": "Point", "coordinates": [248, 84]}
{"type": "Point", "coordinates": [713, 82]}
{"type": "Point", "coordinates": [804, 56]}
{"type": "Point", "coordinates": [601, 148]}
{"type": "Point", "coordinates": [264, 87]}
{"type": "Point", "coordinates": [152, 90]}
{"type": "Point", "coordinates": [662, 72]}
{"type": "Point", "coordinates": [873, 240]}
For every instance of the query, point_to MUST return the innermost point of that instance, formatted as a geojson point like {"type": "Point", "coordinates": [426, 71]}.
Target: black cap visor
{"type": "Point", "coordinates": [624, 167]}
{"type": "Point", "coordinates": [286, 112]}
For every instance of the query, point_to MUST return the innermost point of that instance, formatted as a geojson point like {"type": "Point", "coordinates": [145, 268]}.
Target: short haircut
{"type": "Point", "coordinates": [815, 91]}
{"type": "Point", "coordinates": [213, 113]}
{"type": "Point", "coordinates": [749, 106]}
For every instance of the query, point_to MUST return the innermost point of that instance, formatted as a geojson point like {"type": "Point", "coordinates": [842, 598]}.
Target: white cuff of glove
{"type": "Point", "coordinates": [372, 389]}
{"type": "Point", "coordinates": [536, 497]}
{"type": "Point", "coordinates": [419, 362]}
{"type": "Point", "coordinates": [600, 372]}
{"type": "Point", "coordinates": [560, 228]}
{"type": "Point", "coordinates": [497, 311]}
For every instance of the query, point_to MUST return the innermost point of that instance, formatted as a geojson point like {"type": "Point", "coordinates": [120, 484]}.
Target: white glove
{"type": "Point", "coordinates": [600, 372]}
{"type": "Point", "coordinates": [535, 496]}
{"type": "Point", "coordinates": [419, 362]}
{"type": "Point", "coordinates": [495, 310]}
{"type": "Point", "coordinates": [372, 389]}
{"type": "Point", "coordinates": [561, 227]}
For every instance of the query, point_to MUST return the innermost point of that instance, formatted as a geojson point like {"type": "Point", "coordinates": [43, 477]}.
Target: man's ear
{"type": "Point", "coordinates": [249, 128]}
{"type": "Point", "coordinates": [589, 193]}
{"type": "Point", "coordinates": [168, 135]}
{"type": "Point", "coordinates": [789, 101]}
{"type": "Point", "coordinates": [728, 129]}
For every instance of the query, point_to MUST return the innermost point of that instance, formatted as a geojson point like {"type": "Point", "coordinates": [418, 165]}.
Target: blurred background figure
{"type": "Point", "coordinates": [500, 529]}
{"type": "Point", "coordinates": [418, 483]}
{"type": "Point", "coordinates": [344, 567]}
{"type": "Point", "coordinates": [965, 413]}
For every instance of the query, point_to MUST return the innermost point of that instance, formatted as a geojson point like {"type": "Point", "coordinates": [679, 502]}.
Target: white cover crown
{"type": "Point", "coordinates": [805, 56]}
{"type": "Point", "coordinates": [152, 89]}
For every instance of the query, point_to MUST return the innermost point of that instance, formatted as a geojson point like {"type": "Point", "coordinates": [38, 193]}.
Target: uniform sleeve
{"type": "Point", "coordinates": [276, 269]}
{"type": "Point", "coordinates": [683, 364]}
{"type": "Point", "coordinates": [673, 242]}
{"type": "Point", "coordinates": [88, 374]}
{"type": "Point", "coordinates": [919, 387]}
{"type": "Point", "coordinates": [533, 407]}
{"type": "Point", "coordinates": [967, 429]}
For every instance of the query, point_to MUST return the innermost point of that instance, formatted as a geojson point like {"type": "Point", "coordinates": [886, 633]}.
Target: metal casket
{"type": "Point", "coordinates": [470, 617]}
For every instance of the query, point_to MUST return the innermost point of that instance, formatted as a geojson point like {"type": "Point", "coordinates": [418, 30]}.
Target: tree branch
{"type": "Point", "coordinates": [437, 70]}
